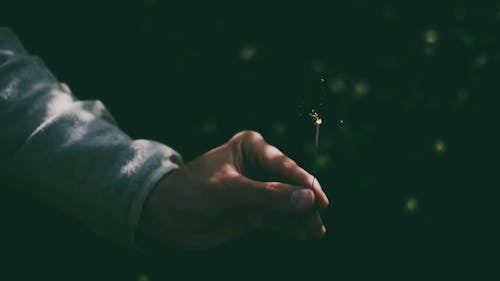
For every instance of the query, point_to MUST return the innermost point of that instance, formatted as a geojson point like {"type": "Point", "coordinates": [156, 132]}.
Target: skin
{"type": "Point", "coordinates": [213, 199]}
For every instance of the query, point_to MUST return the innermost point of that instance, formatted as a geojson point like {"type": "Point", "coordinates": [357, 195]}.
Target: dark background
{"type": "Point", "coordinates": [407, 169]}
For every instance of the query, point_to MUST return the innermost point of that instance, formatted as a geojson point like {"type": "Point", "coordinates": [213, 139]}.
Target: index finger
{"type": "Point", "coordinates": [273, 160]}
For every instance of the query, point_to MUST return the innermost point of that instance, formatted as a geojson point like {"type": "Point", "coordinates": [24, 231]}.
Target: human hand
{"type": "Point", "coordinates": [210, 200]}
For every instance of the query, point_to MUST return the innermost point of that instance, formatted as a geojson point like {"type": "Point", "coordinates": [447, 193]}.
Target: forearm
{"type": "Point", "coordinates": [70, 153]}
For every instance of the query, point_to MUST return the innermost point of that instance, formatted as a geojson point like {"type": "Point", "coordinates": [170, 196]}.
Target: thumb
{"type": "Point", "coordinates": [274, 196]}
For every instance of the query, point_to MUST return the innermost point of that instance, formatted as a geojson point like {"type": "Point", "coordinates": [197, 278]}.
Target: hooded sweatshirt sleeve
{"type": "Point", "coordinates": [71, 153]}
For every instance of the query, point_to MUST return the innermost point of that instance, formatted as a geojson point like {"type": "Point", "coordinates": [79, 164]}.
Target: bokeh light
{"type": "Point", "coordinates": [337, 85]}
{"type": "Point", "coordinates": [143, 277]}
{"type": "Point", "coordinates": [440, 146]}
{"type": "Point", "coordinates": [480, 60]}
{"type": "Point", "coordinates": [318, 66]}
{"type": "Point", "coordinates": [247, 53]}
{"type": "Point", "coordinates": [279, 128]}
{"type": "Point", "coordinates": [411, 204]}
{"type": "Point", "coordinates": [460, 13]}
{"type": "Point", "coordinates": [431, 36]}
{"type": "Point", "coordinates": [361, 89]}
{"type": "Point", "coordinates": [322, 162]}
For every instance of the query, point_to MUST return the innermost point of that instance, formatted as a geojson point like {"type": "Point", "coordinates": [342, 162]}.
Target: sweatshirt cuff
{"type": "Point", "coordinates": [136, 212]}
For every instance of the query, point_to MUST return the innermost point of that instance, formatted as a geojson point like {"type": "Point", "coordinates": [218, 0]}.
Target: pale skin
{"type": "Point", "coordinates": [213, 199]}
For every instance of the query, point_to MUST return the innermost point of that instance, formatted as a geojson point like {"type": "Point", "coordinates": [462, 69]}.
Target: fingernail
{"type": "Point", "coordinates": [302, 198]}
{"type": "Point", "coordinates": [323, 230]}
{"type": "Point", "coordinates": [329, 202]}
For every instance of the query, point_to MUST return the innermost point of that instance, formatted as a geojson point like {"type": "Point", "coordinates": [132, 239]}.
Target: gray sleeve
{"type": "Point", "coordinates": [70, 153]}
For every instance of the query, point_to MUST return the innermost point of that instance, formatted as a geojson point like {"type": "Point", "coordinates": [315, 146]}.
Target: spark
{"type": "Point", "coordinates": [315, 117]}
{"type": "Point", "coordinates": [317, 121]}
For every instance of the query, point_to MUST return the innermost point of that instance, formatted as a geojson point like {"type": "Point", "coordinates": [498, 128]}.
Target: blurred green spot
{"type": "Point", "coordinates": [480, 60]}
{"type": "Point", "coordinates": [309, 149]}
{"type": "Point", "coordinates": [322, 162]}
{"type": "Point", "coordinates": [467, 39]}
{"type": "Point", "coordinates": [361, 89]}
{"type": "Point", "coordinates": [389, 14]}
{"type": "Point", "coordinates": [440, 146]}
{"type": "Point", "coordinates": [142, 277]}
{"type": "Point", "coordinates": [411, 204]}
{"type": "Point", "coordinates": [460, 13]}
{"type": "Point", "coordinates": [431, 36]}
{"type": "Point", "coordinates": [429, 50]}
{"type": "Point", "coordinates": [318, 66]}
{"type": "Point", "coordinates": [247, 53]}
{"type": "Point", "coordinates": [279, 128]}
{"type": "Point", "coordinates": [337, 85]}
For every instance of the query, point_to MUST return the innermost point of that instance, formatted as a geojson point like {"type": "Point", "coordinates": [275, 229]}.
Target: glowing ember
{"type": "Point", "coordinates": [315, 117]}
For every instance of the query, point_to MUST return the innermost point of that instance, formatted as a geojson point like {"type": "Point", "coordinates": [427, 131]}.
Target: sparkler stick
{"type": "Point", "coordinates": [317, 121]}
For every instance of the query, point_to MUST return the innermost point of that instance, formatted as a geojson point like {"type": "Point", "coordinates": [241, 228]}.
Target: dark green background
{"type": "Point", "coordinates": [412, 83]}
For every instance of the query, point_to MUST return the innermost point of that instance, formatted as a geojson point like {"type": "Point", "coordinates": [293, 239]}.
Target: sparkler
{"type": "Point", "coordinates": [317, 121]}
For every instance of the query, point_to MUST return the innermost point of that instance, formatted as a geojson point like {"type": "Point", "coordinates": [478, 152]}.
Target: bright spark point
{"type": "Point", "coordinates": [315, 117]}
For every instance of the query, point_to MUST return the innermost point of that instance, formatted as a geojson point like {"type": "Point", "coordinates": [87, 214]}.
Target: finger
{"type": "Point", "coordinates": [285, 225]}
{"type": "Point", "coordinates": [209, 234]}
{"type": "Point", "coordinates": [314, 224]}
{"type": "Point", "coordinates": [274, 196]}
{"type": "Point", "coordinates": [215, 237]}
{"type": "Point", "coordinates": [273, 160]}
{"type": "Point", "coordinates": [183, 222]}
{"type": "Point", "coordinates": [234, 217]}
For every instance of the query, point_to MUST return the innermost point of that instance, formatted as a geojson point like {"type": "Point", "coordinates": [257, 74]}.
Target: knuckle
{"type": "Point", "coordinates": [249, 135]}
{"type": "Point", "coordinates": [289, 163]}
{"type": "Point", "coordinates": [246, 141]}
{"type": "Point", "coordinates": [270, 189]}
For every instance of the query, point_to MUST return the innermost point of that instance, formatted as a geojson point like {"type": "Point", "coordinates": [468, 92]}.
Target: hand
{"type": "Point", "coordinates": [210, 200]}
